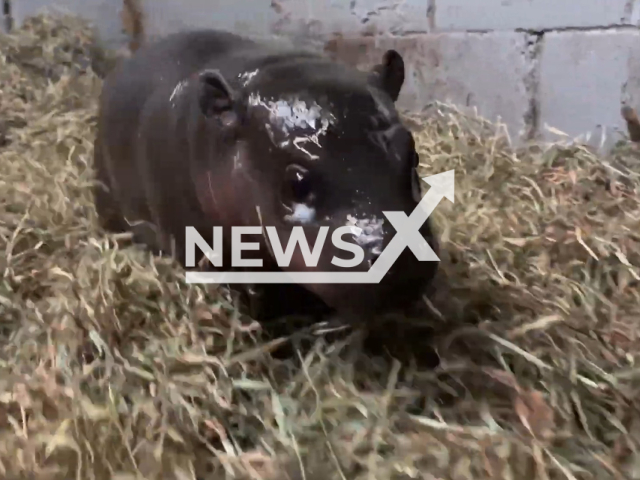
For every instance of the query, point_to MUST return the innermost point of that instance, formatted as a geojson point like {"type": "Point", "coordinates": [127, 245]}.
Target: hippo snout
{"type": "Point", "coordinates": [403, 284]}
{"type": "Point", "coordinates": [371, 235]}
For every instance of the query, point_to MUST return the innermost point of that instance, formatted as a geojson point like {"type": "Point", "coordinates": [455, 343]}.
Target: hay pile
{"type": "Point", "coordinates": [112, 368]}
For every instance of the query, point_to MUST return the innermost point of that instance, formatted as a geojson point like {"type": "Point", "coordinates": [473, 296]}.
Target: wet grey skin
{"type": "Point", "coordinates": [206, 128]}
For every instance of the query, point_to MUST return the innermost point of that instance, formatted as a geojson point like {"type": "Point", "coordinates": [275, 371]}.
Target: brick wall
{"type": "Point", "coordinates": [569, 64]}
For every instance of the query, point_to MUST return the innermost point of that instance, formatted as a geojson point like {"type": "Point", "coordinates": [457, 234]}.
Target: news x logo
{"type": "Point", "coordinates": [407, 235]}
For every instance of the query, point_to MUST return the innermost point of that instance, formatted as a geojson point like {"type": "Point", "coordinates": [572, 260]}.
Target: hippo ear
{"type": "Point", "coordinates": [390, 73]}
{"type": "Point", "coordinates": [215, 95]}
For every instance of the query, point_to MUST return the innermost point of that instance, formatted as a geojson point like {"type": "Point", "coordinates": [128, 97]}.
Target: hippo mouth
{"type": "Point", "coordinates": [403, 284]}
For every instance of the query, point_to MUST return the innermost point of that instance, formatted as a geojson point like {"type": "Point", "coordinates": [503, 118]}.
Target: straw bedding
{"type": "Point", "coordinates": [111, 367]}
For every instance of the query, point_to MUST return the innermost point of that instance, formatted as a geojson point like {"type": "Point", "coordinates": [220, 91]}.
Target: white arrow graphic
{"type": "Point", "coordinates": [407, 235]}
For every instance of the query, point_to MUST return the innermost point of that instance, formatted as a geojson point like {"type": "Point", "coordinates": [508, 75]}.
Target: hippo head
{"type": "Point", "coordinates": [320, 144]}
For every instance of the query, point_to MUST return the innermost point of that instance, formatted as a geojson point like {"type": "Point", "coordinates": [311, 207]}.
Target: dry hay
{"type": "Point", "coordinates": [112, 368]}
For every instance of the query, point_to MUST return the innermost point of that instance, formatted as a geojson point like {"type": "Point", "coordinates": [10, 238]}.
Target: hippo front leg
{"type": "Point", "coordinates": [106, 204]}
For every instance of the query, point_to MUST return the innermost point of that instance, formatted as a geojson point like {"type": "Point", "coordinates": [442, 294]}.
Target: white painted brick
{"type": "Point", "coordinates": [103, 13]}
{"type": "Point", "coordinates": [635, 13]}
{"type": "Point", "coordinates": [240, 16]}
{"type": "Point", "coordinates": [529, 14]}
{"type": "Point", "coordinates": [322, 17]}
{"type": "Point", "coordinates": [483, 70]}
{"type": "Point", "coordinates": [583, 76]}
{"type": "Point", "coordinates": [300, 20]}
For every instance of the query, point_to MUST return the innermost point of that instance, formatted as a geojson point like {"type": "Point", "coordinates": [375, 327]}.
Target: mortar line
{"type": "Point", "coordinates": [7, 15]}
{"type": "Point", "coordinates": [431, 15]}
{"type": "Point", "coordinates": [534, 45]}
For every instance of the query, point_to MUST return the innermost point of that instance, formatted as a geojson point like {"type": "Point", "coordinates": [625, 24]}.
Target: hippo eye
{"type": "Point", "coordinates": [297, 184]}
